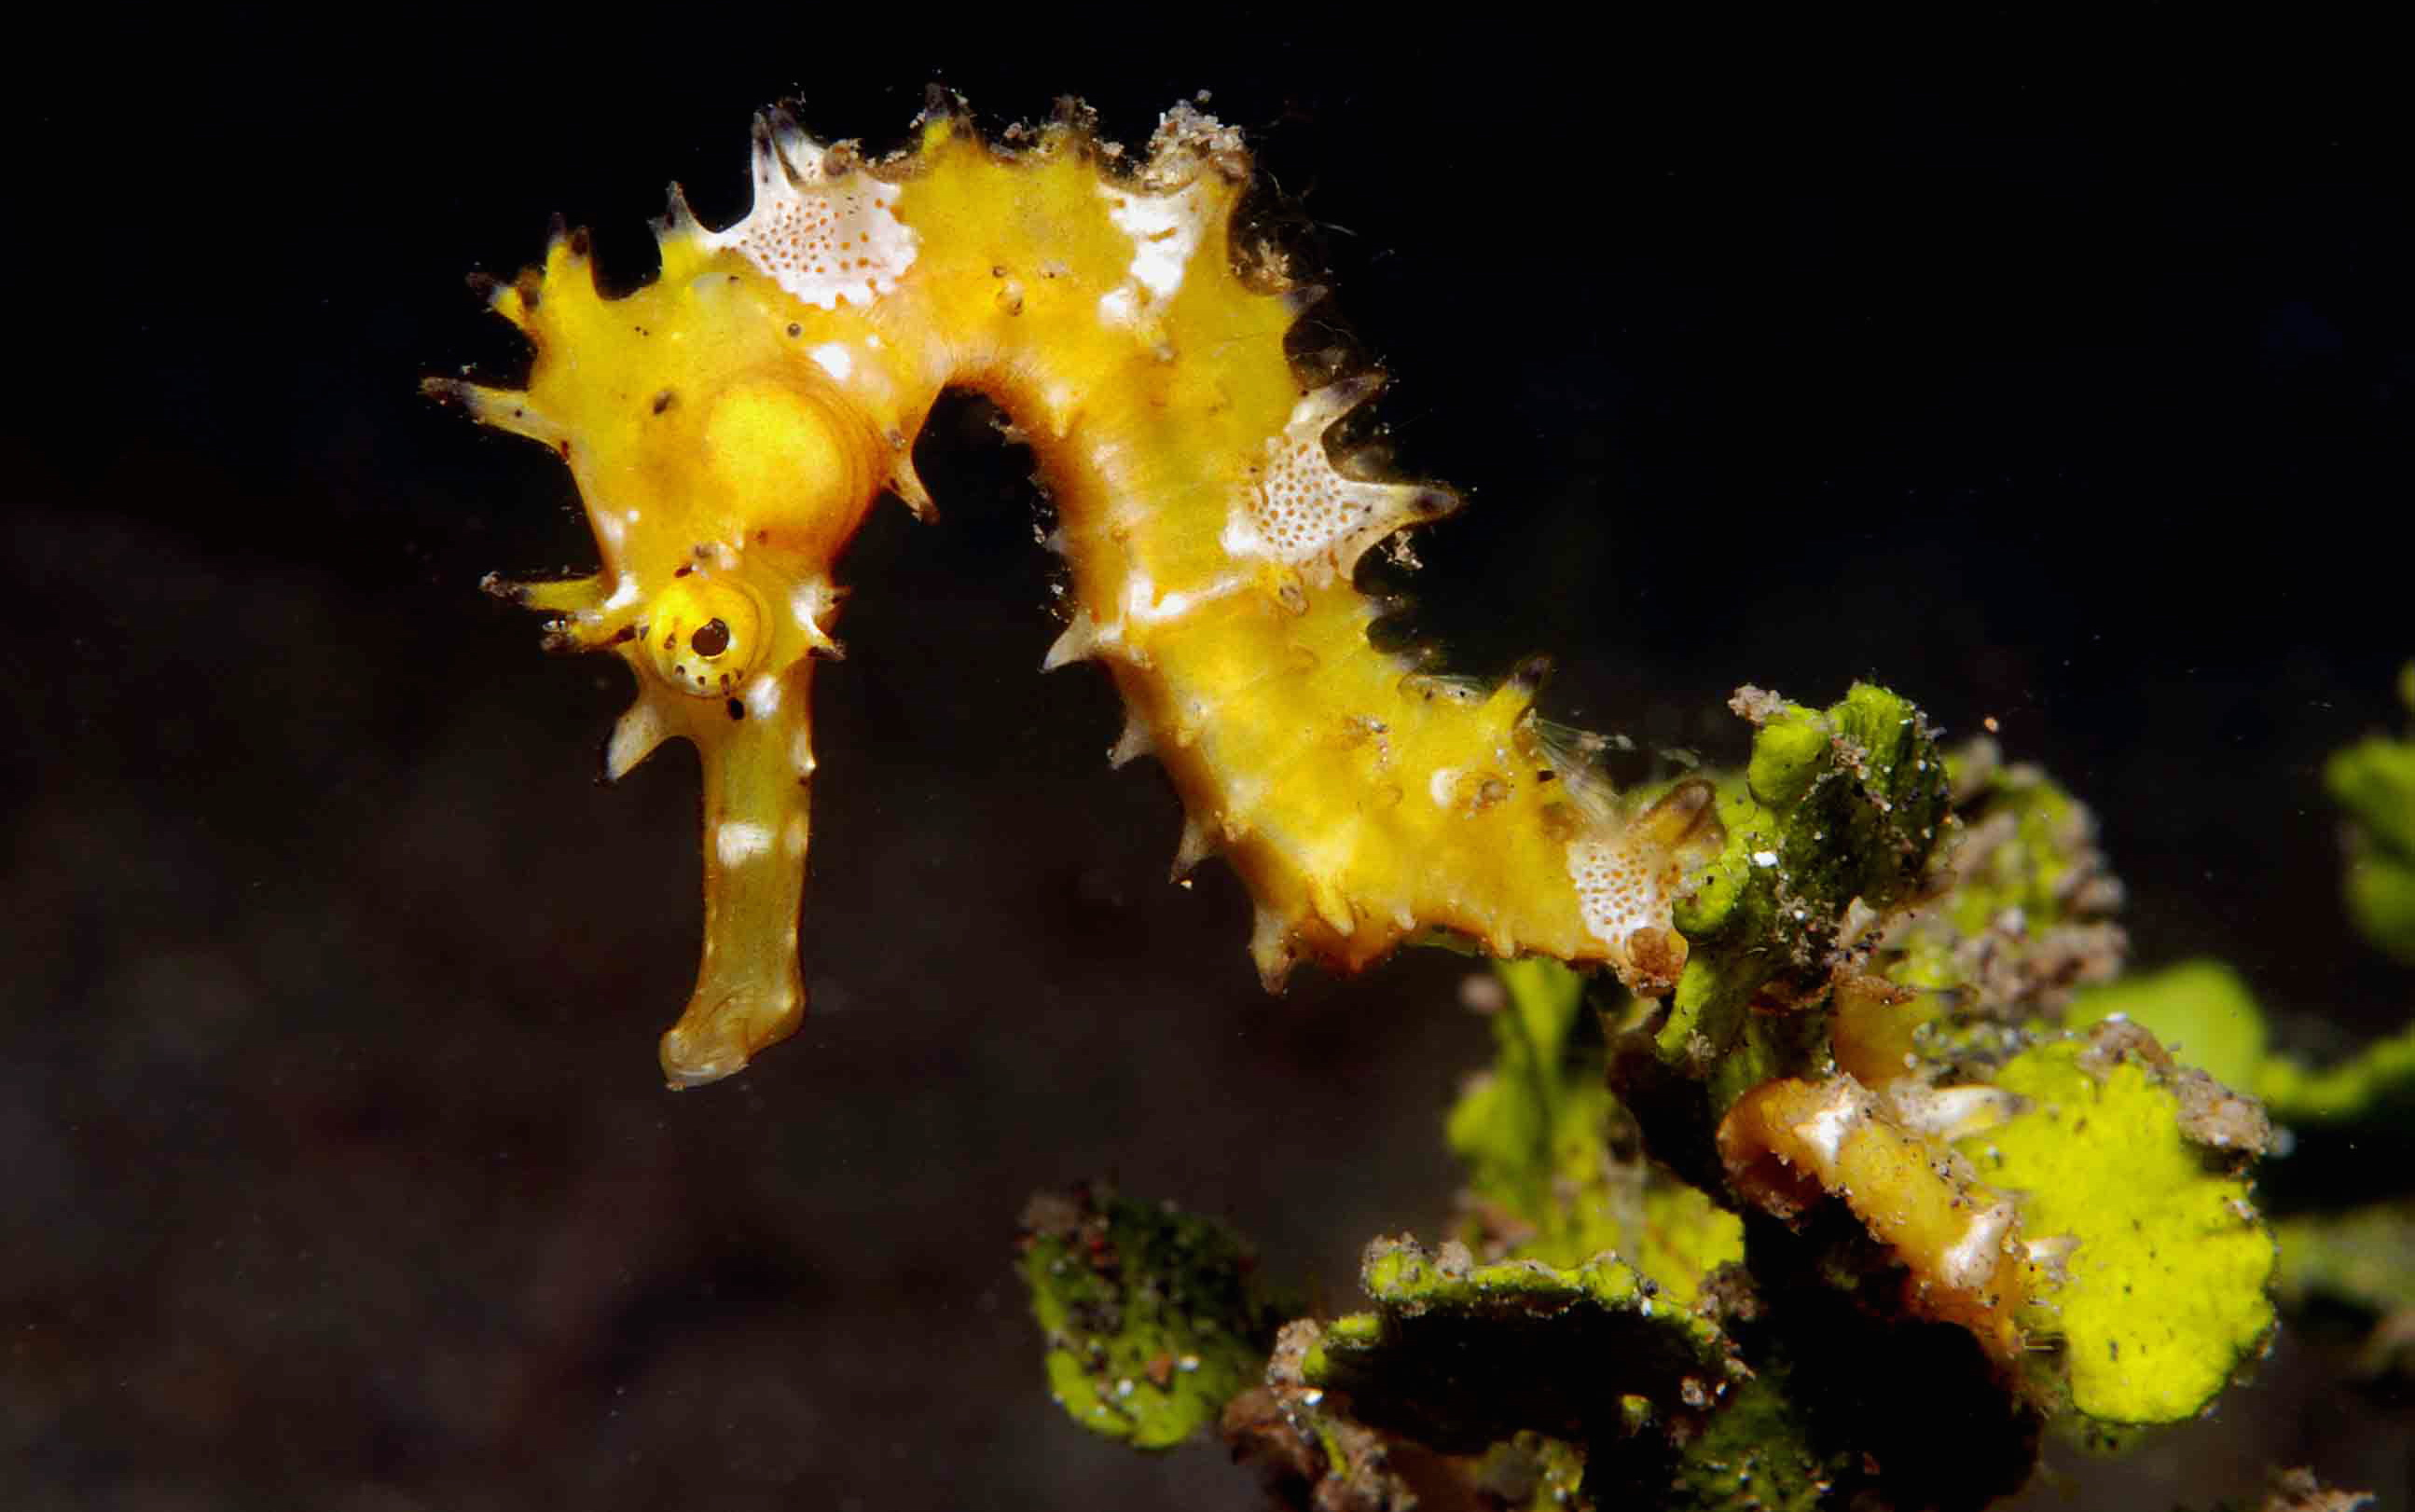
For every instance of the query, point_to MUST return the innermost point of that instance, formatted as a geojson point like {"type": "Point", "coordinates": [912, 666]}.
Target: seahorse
{"type": "Point", "coordinates": [731, 424]}
{"type": "Point", "coordinates": [1878, 1136]}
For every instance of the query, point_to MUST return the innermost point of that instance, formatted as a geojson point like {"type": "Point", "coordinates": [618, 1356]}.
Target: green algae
{"type": "Point", "coordinates": [1531, 1472]}
{"type": "Point", "coordinates": [1533, 1128]}
{"type": "Point", "coordinates": [1755, 1455]}
{"type": "Point", "coordinates": [2374, 783]}
{"type": "Point", "coordinates": [2206, 1014]}
{"type": "Point", "coordinates": [2376, 1084]}
{"type": "Point", "coordinates": [2359, 1266]}
{"type": "Point", "coordinates": [2199, 1010]}
{"type": "Point", "coordinates": [2364, 1258]}
{"type": "Point", "coordinates": [1460, 1355]}
{"type": "Point", "coordinates": [2162, 1296]}
{"type": "Point", "coordinates": [1838, 810]}
{"type": "Point", "coordinates": [1154, 1318]}
{"type": "Point", "coordinates": [1537, 1132]}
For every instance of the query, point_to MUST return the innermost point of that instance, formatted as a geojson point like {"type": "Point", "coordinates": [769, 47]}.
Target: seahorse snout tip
{"type": "Point", "coordinates": [683, 1068]}
{"type": "Point", "coordinates": [721, 1033]}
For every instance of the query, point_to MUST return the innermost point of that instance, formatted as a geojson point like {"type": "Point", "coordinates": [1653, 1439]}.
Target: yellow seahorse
{"type": "Point", "coordinates": [731, 424]}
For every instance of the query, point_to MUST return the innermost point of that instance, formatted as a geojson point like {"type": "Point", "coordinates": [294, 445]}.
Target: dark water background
{"type": "Point", "coordinates": [2046, 378]}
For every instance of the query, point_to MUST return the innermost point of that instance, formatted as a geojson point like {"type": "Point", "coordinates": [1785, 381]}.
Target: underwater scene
{"type": "Point", "coordinates": [1171, 762]}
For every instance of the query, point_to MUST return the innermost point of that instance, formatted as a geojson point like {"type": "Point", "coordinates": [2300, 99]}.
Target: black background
{"type": "Point", "coordinates": [2051, 377]}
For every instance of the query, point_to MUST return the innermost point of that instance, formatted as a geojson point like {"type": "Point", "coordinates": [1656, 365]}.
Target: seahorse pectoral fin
{"type": "Point", "coordinates": [758, 770]}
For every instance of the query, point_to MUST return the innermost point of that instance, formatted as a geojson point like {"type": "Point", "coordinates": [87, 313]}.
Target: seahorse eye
{"type": "Point", "coordinates": [704, 636]}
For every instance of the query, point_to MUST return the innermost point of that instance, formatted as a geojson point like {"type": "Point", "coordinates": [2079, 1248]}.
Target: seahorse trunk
{"type": "Point", "coordinates": [1362, 802]}
{"type": "Point", "coordinates": [1212, 537]}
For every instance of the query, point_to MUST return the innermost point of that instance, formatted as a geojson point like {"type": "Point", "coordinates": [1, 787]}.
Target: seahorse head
{"type": "Point", "coordinates": [726, 438]}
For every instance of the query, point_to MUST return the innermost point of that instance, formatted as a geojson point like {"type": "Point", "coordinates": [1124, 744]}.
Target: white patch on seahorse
{"type": "Point", "coordinates": [2051, 1254]}
{"type": "Point", "coordinates": [1618, 891]}
{"type": "Point", "coordinates": [1967, 1265]}
{"type": "Point", "coordinates": [1245, 798]}
{"type": "Point", "coordinates": [1299, 509]}
{"type": "Point", "coordinates": [1825, 1132]}
{"type": "Point", "coordinates": [738, 841]}
{"type": "Point", "coordinates": [1444, 787]}
{"type": "Point", "coordinates": [1063, 400]}
{"type": "Point", "coordinates": [1950, 1113]}
{"type": "Point", "coordinates": [834, 359]}
{"type": "Point", "coordinates": [1165, 232]}
{"type": "Point", "coordinates": [1145, 603]}
{"type": "Point", "coordinates": [763, 695]}
{"type": "Point", "coordinates": [812, 600]}
{"type": "Point", "coordinates": [823, 239]}
{"type": "Point", "coordinates": [1109, 457]}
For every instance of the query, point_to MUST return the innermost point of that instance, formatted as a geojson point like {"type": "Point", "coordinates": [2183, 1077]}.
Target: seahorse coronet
{"type": "Point", "coordinates": [730, 423]}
